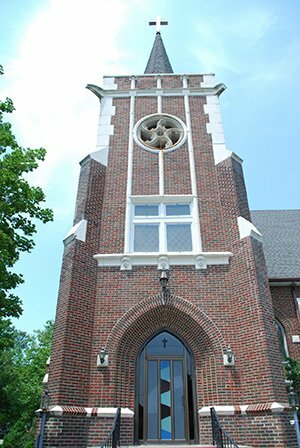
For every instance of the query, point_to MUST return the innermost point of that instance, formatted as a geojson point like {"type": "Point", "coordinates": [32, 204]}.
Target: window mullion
{"type": "Point", "coordinates": [162, 236]}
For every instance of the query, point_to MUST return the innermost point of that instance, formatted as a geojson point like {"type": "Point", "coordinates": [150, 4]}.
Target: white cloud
{"type": "Point", "coordinates": [67, 45]}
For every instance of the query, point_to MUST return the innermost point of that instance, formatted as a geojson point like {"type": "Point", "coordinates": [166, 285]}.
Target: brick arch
{"type": "Point", "coordinates": [288, 328]}
{"type": "Point", "coordinates": [283, 319]}
{"type": "Point", "coordinates": [182, 318]}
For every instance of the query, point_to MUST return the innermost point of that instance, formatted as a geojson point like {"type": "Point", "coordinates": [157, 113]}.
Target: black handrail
{"type": "Point", "coordinates": [113, 438]}
{"type": "Point", "coordinates": [221, 439]}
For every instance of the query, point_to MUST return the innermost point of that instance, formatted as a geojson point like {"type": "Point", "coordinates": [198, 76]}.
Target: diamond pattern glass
{"type": "Point", "coordinates": [146, 238]}
{"type": "Point", "coordinates": [179, 237]}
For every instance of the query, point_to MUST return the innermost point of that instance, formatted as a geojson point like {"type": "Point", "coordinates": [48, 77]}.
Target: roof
{"type": "Point", "coordinates": [281, 241]}
{"type": "Point", "coordinates": [158, 60]}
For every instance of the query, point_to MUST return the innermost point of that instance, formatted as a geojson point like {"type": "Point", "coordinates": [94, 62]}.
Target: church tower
{"type": "Point", "coordinates": [164, 306]}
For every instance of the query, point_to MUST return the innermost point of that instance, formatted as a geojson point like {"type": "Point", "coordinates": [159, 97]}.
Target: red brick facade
{"type": "Point", "coordinates": [208, 309]}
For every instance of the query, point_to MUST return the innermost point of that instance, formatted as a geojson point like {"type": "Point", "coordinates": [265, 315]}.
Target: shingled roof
{"type": "Point", "coordinates": [281, 241]}
{"type": "Point", "coordinates": [158, 60]}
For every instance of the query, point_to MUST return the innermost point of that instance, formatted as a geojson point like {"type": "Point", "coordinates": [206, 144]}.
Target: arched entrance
{"type": "Point", "coordinates": [165, 397]}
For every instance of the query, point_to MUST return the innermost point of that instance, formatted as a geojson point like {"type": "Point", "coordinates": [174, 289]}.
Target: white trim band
{"type": "Point", "coordinates": [127, 260]}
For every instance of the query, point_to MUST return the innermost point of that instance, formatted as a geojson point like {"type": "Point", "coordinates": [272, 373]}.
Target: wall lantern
{"type": "Point", "coordinates": [164, 285]}
{"type": "Point", "coordinates": [102, 358]}
{"type": "Point", "coordinates": [228, 357]}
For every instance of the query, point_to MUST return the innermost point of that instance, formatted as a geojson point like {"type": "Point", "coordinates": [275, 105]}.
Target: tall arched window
{"type": "Point", "coordinates": [165, 392]}
{"type": "Point", "coordinates": [282, 339]}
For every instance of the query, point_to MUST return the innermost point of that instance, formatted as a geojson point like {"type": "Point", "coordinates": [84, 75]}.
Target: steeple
{"type": "Point", "coordinates": [158, 61]}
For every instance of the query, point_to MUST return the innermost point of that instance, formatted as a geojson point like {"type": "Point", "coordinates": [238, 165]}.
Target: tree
{"type": "Point", "coordinates": [20, 205]}
{"type": "Point", "coordinates": [21, 374]}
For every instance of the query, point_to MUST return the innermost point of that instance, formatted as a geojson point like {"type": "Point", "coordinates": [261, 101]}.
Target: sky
{"type": "Point", "coordinates": [51, 49]}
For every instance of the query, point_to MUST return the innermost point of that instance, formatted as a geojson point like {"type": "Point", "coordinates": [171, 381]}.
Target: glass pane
{"type": "Point", "coordinates": [282, 340]}
{"type": "Point", "coordinates": [146, 210]}
{"type": "Point", "coordinates": [141, 396]}
{"type": "Point", "coordinates": [165, 400]}
{"type": "Point", "coordinates": [179, 237]}
{"type": "Point", "coordinates": [190, 397]}
{"type": "Point", "coordinates": [146, 238]}
{"type": "Point", "coordinates": [165, 344]}
{"type": "Point", "coordinates": [178, 400]}
{"type": "Point", "coordinates": [177, 209]}
{"type": "Point", "coordinates": [152, 400]}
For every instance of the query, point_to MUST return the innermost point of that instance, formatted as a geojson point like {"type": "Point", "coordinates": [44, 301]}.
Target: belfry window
{"type": "Point", "coordinates": [162, 227]}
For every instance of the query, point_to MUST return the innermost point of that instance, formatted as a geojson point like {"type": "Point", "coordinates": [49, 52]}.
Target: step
{"type": "Point", "coordinates": [170, 446]}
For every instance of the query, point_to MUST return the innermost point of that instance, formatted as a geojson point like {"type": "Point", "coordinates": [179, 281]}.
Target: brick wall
{"type": "Point", "coordinates": [208, 309]}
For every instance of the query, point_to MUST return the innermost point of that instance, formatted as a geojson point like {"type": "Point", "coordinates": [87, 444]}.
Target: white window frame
{"type": "Point", "coordinates": [162, 220]}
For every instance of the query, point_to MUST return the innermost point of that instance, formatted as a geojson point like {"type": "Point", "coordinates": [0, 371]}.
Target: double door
{"type": "Point", "coordinates": [165, 393]}
{"type": "Point", "coordinates": [165, 399]}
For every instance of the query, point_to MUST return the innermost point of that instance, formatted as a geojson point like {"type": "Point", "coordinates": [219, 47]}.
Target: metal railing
{"type": "Point", "coordinates": [221, 439]}
{"type": "Point", "coordinates": [113, 438]}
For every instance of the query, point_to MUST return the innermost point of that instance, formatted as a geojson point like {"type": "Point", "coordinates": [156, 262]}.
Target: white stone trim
{"type": "Point", "coordinates": [295, 338]}
{"type": "Point", "coordinates": [105, 128]}
{"type": "Point", "coordinates": [77, 232]}
{"type": "Point", "coordinates": [132, 82]}
{"type": "Point", "coordinates": [101, 155]}
{"type": "Point", "coordinates": [277, 408]}
{"type": "Point", "coordinates": [220, 410]}
{"type": "Point", "coordinates": [197, 230]}
{"type": "Point", "coordinates": [126, 264]}
{"type": "Point", "coordinates": [109, 83]}
{"type": "Point", "coordinates": [163, 262]}
{"type": "Point", "coordinates": [191, 91]}
{"type": "Point", "coordinates": [166, 198]}
{"type": "Point", "coordinates": [161, 173]}
{"type": "Point", "coordinates": [200, 262]}
{"type": "Point", "coordinates": [46, 378]}
{"type": "Point", "coordinates": [48, 361]}
{"type": "Point", "coordinates": [153, 259]}
{"type": "Point", "coordinates": [56, 410]}
{"type": "Point", "coordinates": [111, 412]}
{"type": "Point", "coordinates": [215, 128]}
{"type": "Point", "coordinates": [129, 176]}
{"type": "Point", "coordinates": [243, 408]}
{"type": "Point", "coordinates": [162, 75]}
{"type": "Point", "coordinates": [246, 228]}
{"type": "Point", "coordinates": [88, 411]}
{"type": "Point", "coordinates": [208, 81]}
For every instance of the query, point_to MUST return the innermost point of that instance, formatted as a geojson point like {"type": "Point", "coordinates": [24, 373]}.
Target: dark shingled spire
{"type": "Point", "coordinates": [158, 61]}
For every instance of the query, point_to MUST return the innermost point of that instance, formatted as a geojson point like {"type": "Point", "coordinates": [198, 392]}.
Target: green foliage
{"type": "Point", "coordinates": [20, 205]}
{"type": "Point", "coordinates": [292, 369]}
{"type": "Point", "coordinates": [21, 374]}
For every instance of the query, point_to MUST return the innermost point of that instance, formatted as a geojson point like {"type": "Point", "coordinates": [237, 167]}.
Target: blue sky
{"type": "Point", "coordinates": [51, 49]}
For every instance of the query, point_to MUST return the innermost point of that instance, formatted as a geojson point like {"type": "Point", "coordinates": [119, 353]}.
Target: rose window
{"type": "Point", "coordinates": [160, 132]}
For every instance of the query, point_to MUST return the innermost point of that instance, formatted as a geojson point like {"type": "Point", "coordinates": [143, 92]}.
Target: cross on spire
{"type": "Point", "coordinates": [158, 22]}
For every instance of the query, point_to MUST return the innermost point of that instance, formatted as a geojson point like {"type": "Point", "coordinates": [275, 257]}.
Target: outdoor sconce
{"type": "Point", "coordinates": [164, 283]}
{"type": "Point", "coordinates": [228, 357]}
{"type": "Point", "coordinates": [102, 358]}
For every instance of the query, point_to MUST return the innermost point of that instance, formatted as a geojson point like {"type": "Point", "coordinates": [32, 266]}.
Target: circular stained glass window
{"type": "Point", "coordinates": [160, 132]}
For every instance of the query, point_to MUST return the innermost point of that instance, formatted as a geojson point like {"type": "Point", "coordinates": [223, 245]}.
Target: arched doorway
{"type": "Point", "coordinates": [165, 395]}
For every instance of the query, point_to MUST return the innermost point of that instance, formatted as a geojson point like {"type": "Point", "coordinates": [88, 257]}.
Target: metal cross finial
{"type": "Point", "coordinates": [158, 22]}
